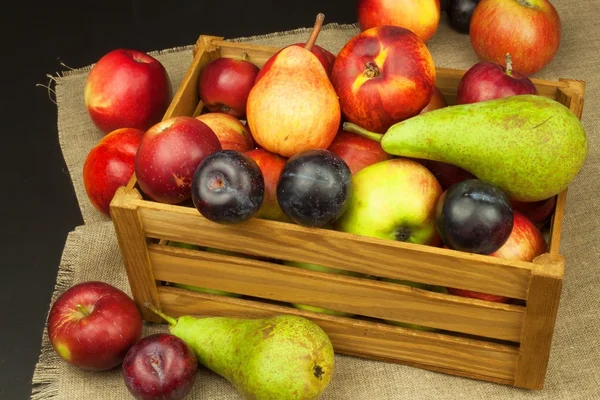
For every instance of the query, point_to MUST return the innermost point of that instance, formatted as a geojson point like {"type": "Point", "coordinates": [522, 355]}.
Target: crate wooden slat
{"type": "Point", "coordinates": [341, 250]}
{"type": "Point", "coordinates": [354, 295]}
{"type": "Point", "coordinates": [503, 343]}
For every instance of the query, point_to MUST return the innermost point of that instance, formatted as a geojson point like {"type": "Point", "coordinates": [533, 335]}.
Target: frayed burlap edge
{"type": "Point", "coordinates": [45, 375]}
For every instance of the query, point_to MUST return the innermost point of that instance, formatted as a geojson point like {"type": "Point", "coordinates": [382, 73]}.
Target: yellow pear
{"type": "Point", "coordinates": [293, 106]}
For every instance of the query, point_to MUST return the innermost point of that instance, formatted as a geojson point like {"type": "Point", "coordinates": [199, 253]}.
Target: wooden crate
{"type": "Point", "coordinates": [503, 343]}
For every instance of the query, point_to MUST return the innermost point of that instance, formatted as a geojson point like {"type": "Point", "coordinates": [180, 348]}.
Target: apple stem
{"type": "Point", "coordinates": [172, 321]}
{"type": "Point", "coordinates": [315, 32]}
{"type": "Point", "coordinates": [244, 56]}
{"type": "Point", "coordinates": [83, 310]}
{"type": "Point", "coordinates": [353, 128]}
{"type": "Point", "coordinates": [509, 66]}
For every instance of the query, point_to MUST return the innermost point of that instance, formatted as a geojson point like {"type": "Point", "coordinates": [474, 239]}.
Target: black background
{"type": "Point", "coordinates": [39, 207]}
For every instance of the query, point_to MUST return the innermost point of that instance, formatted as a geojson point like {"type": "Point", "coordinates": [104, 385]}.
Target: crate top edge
{"type": "Point", "coordinates": [138, 202]}
{"type": "Point", "coordinates": [561, 82]}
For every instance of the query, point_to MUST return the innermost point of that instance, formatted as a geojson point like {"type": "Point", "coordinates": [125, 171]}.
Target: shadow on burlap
{"type": "Point", "coordinates": [91, 251]}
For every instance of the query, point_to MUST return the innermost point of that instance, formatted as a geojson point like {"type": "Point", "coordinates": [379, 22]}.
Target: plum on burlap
{"type": "Point", "coordinates": [91, 251]}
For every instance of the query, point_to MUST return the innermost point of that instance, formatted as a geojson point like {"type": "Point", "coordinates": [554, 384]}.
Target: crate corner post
{"type": "Point", "coordinates": [540, 318]}
{"type": "Point", "coordinates": [134, 250]}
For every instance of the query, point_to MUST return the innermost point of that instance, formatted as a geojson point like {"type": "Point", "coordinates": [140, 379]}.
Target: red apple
{"type": "Point", "coordinates": [487, 80]}
{"type": "Point", "coordinates": [168, 156]}
{"type": "Point", "coordinates": [92, 325]}
{"type": "Point", "coordinates": [524, 244]}
{"type": "Point", "coordinates": [127, 89]}
{"type": "Point", "coordinates": [225, 84]}
{"type": "Point", "coordinates": [110, 165]}
{"type": "Point", "coordinates": [446, 174]}
{"type": "Point", "coordinates": [160, 366]}
{"type": "Point", "coordinates": [422, 17]}
{"type": "Point", "coordinates": [539, 212]}
{"type": "Point", "coordinates": [530, 30]}
{"type": "Point", "coordinates": [232, 133]}
{"type": "Point", "coordinates": [357, 151]}
{"type": "Point", "coordinates": [271, 165]}
{"type": "Point", "coordinates": [325, 56]}
{"type": "Point", "coordinates": [382, 76]}
{"type": "Point", "coordinates": [437, 101]}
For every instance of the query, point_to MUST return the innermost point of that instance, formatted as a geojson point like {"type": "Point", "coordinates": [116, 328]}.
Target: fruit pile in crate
{"type": "Point", "coordinates": [369, 195]}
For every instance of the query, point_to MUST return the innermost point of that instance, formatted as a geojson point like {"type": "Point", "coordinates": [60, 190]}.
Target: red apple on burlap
{"type": "Point", "coordinates": [530, 30]}
{"type": "Point", "coordinates": [127, 89]}
{"type": "Point", "coordinates": [92, 325]}
{"type": "Point", "coordinates": [109, 165]}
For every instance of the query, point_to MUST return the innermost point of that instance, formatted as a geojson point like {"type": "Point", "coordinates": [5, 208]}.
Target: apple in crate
{"type": "Point", "coordinates": [127, 89]}
{"type": "Point", "coordinates": [422, 17]}
{"type": "Point", "coordinates": [437, 101]}
{"type": "Point", "coordinates": [160, 366]}
{"type": "Point", "coordinates": [524, 244]}
{"type": "Point", "coordinates": [325, 57]}
{"type": "Point", "coordinates": [168, 156]}
{"type": "Point", "coordinates": [393, 199]}
{"type": "Point", "coordinates": [232, 133]}
{"type": "Point", "coordinates": [110, 165]}
{"type": "Point", "coordinates": [93, 324]}
{"type": "Point", "coordinates": [530, 30]}
{"type": "Point", "coordinates": [225, 83]}
{"type": "Point", "coordinates": [357, 151]}
{"type": "Point", "coordinates": [382, 76]}
{"type": "Point", "coordinates": [271, 165]}
{"type": "Point", "coordinates": [487, 80]}
{"type": "Point", "coordinates": [539, 212]}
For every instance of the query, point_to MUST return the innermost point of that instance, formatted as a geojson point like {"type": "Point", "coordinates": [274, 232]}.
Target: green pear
{"type": "Point", "coordinates": [275, 358]}
{"type": "Point", "coordinates": [529, 146]}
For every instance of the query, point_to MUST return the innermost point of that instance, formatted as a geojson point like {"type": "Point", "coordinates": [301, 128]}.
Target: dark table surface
{"type": "Point", "coordinates": [39, 207]}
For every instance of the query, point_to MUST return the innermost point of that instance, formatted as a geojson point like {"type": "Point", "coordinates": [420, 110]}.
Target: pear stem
{"type": "Point", "coordinates": [172, 321]}
{"type": "Point", "coordinates": [509, 66]}
{"type": "Point", "coordinates": [353, 128]}
{"type": "Point", "coordinates": [83, 310]}
{"type": "Point", "coordinates": [315, 32]}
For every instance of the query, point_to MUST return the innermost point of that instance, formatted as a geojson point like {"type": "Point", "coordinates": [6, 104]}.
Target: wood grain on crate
{"type": "Point", "coordinates": [379, 257]}
{"type": "Point", "coordinates": [353, 295]}
{"type": "Point", "coordinates": [465, 357]}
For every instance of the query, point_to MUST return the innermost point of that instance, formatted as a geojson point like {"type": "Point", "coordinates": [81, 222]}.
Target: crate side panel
{"type": "Point", "coordinates": [366, 297]}
{"type": "Point", "coordinates": [464, 357]}
{"type": "Point", "coordinates": [378, 257]}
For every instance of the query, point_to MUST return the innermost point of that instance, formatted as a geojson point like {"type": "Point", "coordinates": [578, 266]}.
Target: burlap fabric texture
{"type": "Point", "coordinates": [91, 251]}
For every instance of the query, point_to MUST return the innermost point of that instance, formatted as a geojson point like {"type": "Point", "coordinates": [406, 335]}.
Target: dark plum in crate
{"type": "Point", "coordinates": [314, 187]}
{"type": "Point", "coordinates": [474, 216]}
{"type": "Point", "coordinates": [228, 187]}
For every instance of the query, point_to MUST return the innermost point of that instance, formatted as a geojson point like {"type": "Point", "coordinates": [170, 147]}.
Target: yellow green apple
{"type": "Point", "coordinates": [393, 199]}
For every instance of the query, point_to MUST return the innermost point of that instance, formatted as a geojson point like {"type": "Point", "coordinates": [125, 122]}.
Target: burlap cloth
{"type": "Point", "coordinates": [91, 251]}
